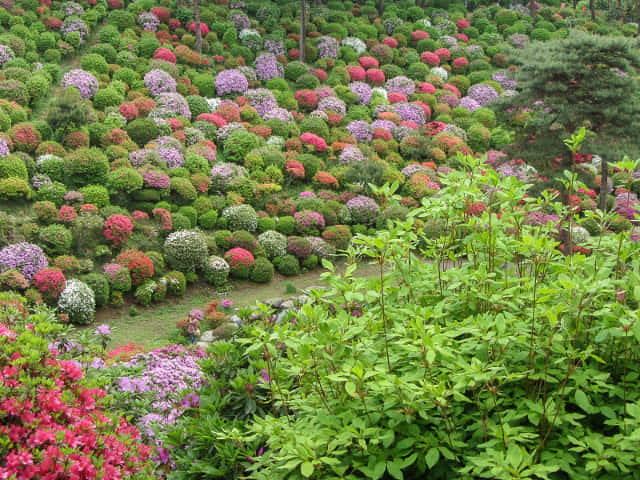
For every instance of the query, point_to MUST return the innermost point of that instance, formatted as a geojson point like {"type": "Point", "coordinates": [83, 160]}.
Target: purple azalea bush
{"type": "Point", "coordinates": [268, 67]}
{"type": "Point", "coordinates": [158, 81]}
{"type": "Point", "coordinates": [85, 82]}
{"type": "Point", "coordinates": [231, 81]}
{"type": "Point", "coordinates": [25, 257]}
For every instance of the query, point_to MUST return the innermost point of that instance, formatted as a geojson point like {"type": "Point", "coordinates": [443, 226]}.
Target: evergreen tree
{"type": "Point", "coordinates": [583, 80]}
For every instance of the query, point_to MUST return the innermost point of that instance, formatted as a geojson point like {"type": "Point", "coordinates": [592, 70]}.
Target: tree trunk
{"type": "Point", "coordinates": [603, 186]}
{"type": "Point", "coordinates": [196, 14]}
{"type": "Point", "coordinates": [592, 7]}
{"type": "Point", "coordinates": [380, 7]}
{"type": "Point", "coordinates": [575, 4]}
{"type": "Point", "coordinates": [303, 29]}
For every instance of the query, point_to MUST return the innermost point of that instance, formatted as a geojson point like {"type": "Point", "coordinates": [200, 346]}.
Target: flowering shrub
{"type": "Point", "coordinates": [216, 271]}
{"type": "Point", "coordinates": [119, 277]}
{"type": "Point", "coordinates": [299, 247]}
{"type": "Point", "coordinates": [363, 210]}
{"type": "Point", "coordinates": [309, 222]}
{"type": "Point", "coordinates": [317, 144]}
{"type": "Point", "coordinates": [186, 250]}
{"type": "Point", "coordinates": [231, 81]}
{"type": "Point", "coordinates": [78, 302]}
{"type": "Point", "coordinates": [26, 258]}
{"type": "Point", "coordinates": [241, 217]}
{"type": "Point", "coordinates": [118, 229]}
{"type": "Point", "coordinates": [158, 81]}
{"type": "Point", "coordinates": [50, 282]}
{"type": "Point", "coordinates": [54, 421]}
{"type": "Point", "coordinates": [274, 243]}
{"type": "Point", "coordinates": [84, 81]}
{"type": "Point", "coordinates": [140, 266]}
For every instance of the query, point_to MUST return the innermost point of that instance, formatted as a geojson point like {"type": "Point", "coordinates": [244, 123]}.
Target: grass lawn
{"type": "Point", "coordinates": [155, 325]}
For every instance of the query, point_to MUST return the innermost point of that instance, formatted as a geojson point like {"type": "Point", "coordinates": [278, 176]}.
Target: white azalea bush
{"type": "Point", "coordinates": [78, 301]}
{"type": "Point", "coordinates": [216, 271]}
{"type": "Point", "coordinates": [274, 243]}
{"type": "Point", "coordinates": [185, 250]}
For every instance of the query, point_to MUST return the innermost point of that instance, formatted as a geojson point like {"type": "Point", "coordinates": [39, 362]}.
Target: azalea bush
{"type": "Point", "coordinates": [54, 420]}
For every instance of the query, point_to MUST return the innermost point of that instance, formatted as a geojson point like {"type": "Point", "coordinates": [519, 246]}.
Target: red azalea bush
{"type": "Point", "coordinates": [356, 73]}
{"type": "Point", "coordinates": [129, 110]}
{"type": "Point", "coordinates": [295, 169]}
{"type": "Point", "coordinates": [118, 229]}
{"type": "Point", "coordinates": [239, 256]}
{"type": "Point", "coordinates": [426, 87]}
{"type": "Point", "coordinates": [144, 105]}
{"type": "Point", "coordinates": [430, 58]}
{"type": "Point", "coordinates": [367, 62]}
{"type": "Point", "coordinates": [138, 264]}
{"type": "Point", "coordinates": [25, 137]}
{"type": "Point", "coordinates": [419, 35]}
{"type": "Point", "coordinates": [307, 99]}
{"type": "Point", "coordinates": [313, 140]}
{"type": "Point", "coordinates": [214, 118]}
{"type": "Point", "coordinates": [443, 53]}
{"type": "Point", "coordinates": [52, 423]}
{"type": "Point", "coordinates": [49, 282]}
{"type": "Point", "coordinates": [390, 42]}
{"type": "Point", "coordinates": [325, 179]}
{"type": "Point", "coordinates": [67, 214]}
{"type": "Point", "coordinates": [76, 140]}
{"type": "Point", "coordinates": [460, 64]}
{"type": "Point", "coordinates": [162, 13]}
{"type": "Point", "coordinates": [463, 24]}
{"type": "Point", "coordinates": [375, 77]}
{"type": "Point", "coordinates": [397, 97]}
{"type": "Point", "coordinates": [165, 218]}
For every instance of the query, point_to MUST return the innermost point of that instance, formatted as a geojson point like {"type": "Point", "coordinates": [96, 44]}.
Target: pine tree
{"type": "Point", "coordinates": [583, 80]}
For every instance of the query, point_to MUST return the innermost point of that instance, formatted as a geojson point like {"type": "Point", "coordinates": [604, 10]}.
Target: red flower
{"type": "Point", "coordinates": [118, 229]}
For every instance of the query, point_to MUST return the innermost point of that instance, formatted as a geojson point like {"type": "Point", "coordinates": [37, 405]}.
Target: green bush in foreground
{"type": "Point", "coordinates": [471, 369]}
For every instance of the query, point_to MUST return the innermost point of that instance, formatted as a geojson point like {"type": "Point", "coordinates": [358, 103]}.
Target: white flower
{"type": "Point", "coordinates": [441, 72]}
{"type": "Point", "coordinates": [214, 103]}
{"type": "Point", "coordinates": [380, 91]}
{"type": "Point", "coordinates": [358, 45]}
{"type": "Point", "coordinates": [78, 301]}
{"type": "Point", "coordinates": [425, 21]}
{"type": "Point", "coordinates": [274, 243]}
{"type": "Point", "coordinates": [275, 141]}
{"type": "Point", "coordinates": [248, 32]}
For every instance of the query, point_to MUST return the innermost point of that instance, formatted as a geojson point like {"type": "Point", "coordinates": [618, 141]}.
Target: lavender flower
{"type": "Point", "coordinates": [409, 112]}
{"type": "Point", "coordinates": [222, 175]}
{"type": "Point", "coordinates": [328, 48]}
{"type": "Point", "coordinates": [231, 81]}
{"type": "Point", "coordinates": [469, 103]}
{"type": "Point", "coordinates": [239, 20]}
{"type": "Point", "coordinates": [333, 104]}
{"type": "Point", "coordinates": [401, 84]}
{"type": "Point", "coordinates": [174, 104]}
{"type": "Point", "coordinates": [148, 21]}
{"type": "Point", "coordinates": [158, 81]}
{"type": "Point", "coordinates": [40, 179]}
{"type": "Point", "coordinates": [482, 93]}
{"type": "Point", "coordinates": [361, 131]}
{"type": "Point", "coordinates": [103, 329]}
{"type": "Point", "coordinates": [262, 100]}
{"type": "Point", "coordinates": [363, 90]}
{"type": "Point", "coordinates": [27, 258]}
{"type": "Point", "coordinates": [268, 67]}
{"type": "Point", "coordinates": [363, 210]}
{"type": "Point", "coordinates": [274, 46]}
{"type": "Point", "coordinates": [85, 82]}
{"type": "Point", "coordinates": [74, 24]}
{"type": "Point", "coordinates": [351, 154]}
{"type": "Point", "coordinates": [279, 114]}
{"type": "Point", "coordinates": [6, 54]}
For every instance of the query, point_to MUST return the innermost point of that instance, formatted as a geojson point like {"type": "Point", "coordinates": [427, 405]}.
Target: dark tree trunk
{"type": "Point", "coordinates": [196, 14]}
{"type": "Point", "coordinates": [592, 7]}
{"type": "Point", "coordinates": [603, 186]}
{"type": "Point", "coordinates": [303, 29]}
{"type": "Point", "coordinates": [380, 7]}
{"type": "Point", "coordinates": [575, 4]}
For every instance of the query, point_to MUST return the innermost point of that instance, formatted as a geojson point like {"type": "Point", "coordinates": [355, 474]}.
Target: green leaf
{"type": "Point", "coordinates": [394, 470]}
{"type": "Point", "coordinates": [432, 457]}
{"type": "Point", "coordinates": [350, 387]}
{"type": "Point", "coordinates": [306, 469]}
{"type": "Point", "coordinates": [583, 401]}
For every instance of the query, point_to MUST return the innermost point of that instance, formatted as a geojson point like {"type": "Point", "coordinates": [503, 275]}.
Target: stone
{"type": "Point", "coordinates": [203, 345]}
{"type": "Point", "coordinates": [274, 302]}
{"type": "Point", "coordinates": [235, 320]}
{"type": "Point", "coordinates": [207, 336]}
{"type": "Point", "coordinates": [287, 304]}
{"type": "Point", "coordinates": [255, 316]}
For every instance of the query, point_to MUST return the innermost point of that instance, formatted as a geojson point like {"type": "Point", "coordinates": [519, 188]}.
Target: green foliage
{"type": "Point", "coordinates": [427, 370]}
{"type": "Point", "coordinates": [262, 271]}
{"type": "Point", "coordinates": [142, 130]}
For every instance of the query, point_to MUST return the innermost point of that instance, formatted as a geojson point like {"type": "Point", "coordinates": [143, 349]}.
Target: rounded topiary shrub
{"type": "Point", "coordinates": [208, 220]}
{"type": "Point", "coordinates": [78, 302]}
{"type": "Point", "coordinates": [100, 286]}
{"type": "Point", "coordinates": [262, 271]}
{"type": "Point", "coordinates": [240, 262]}
{"type": "Point", "coordinates": [299, 247]}
{"type": "Point", "coordinates": [241, 217]}
{"type": "Point", "coordinates": [216, 271]}
{"type": "Point", "coordinates": [176, 283]}
{"type": "Point", "coordinates": [55, 239]}
{"type": "Point", "coordinates": [274, 243]}
{"type": "Point", "coordinates": [287, 265]}
{"type": "Point", "coordinates": [186, 250]}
